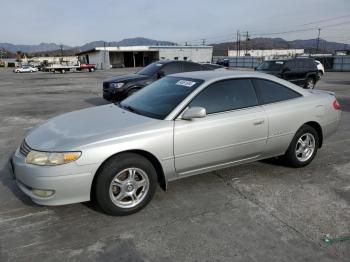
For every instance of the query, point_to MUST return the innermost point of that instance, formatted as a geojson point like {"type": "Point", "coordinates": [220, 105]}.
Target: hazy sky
{"type": "Point", "coordinates": [75, 22]}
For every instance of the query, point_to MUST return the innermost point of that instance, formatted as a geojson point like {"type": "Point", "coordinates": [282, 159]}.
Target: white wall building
{"type": "Point", "coordinates": [269, 53]}
{"type": "Point", "coordinates": [51, 60]}
{"type": "Point", "coordinates": [139, 56]}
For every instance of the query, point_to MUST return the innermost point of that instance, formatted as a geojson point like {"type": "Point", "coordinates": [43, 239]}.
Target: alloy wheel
{"type": "Point", "coordinates": [129, 187]}
{"type": "Point", "coordinates": [305, 147]}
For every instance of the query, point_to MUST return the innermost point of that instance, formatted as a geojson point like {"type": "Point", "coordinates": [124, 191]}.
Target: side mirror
{"type": "Point", "coordinates": [194, 112]}
{"type": "Point", "coordinates": [160, 74]}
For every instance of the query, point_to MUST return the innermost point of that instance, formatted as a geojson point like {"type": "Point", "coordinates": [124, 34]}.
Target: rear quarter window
{"type": "Point", "coordinates": [189, 67]}
{"type": "Point", "coordinates": [272, 92]}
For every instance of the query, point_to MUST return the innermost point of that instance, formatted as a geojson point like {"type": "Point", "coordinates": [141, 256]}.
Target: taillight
{"type": "Point", "coordinates": [336, 105]}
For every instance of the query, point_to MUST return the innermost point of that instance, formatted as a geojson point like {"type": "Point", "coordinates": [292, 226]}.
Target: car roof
{"type": "Point", "coordinates": [290, 59]}
{"type": "Point", "coordinates": [171, 61]}
{"type": "Point", "coordinates": [216, 75]}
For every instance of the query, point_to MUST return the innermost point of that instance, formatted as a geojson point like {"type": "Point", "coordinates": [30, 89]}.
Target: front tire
{"type": "Point", "coordinates": [125, 184]}
{"type": "Point", "coordinates": [303, 147]}
{"type": "Point", "coordinates": [132, 91]}
{"type": "Point", "coordinates": [310, 83]}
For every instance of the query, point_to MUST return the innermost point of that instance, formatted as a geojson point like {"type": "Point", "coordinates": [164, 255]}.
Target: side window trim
{"type": "Point", "coordinates": [258, 91]}
{"type": "Point", "coordinates": [231, 110]}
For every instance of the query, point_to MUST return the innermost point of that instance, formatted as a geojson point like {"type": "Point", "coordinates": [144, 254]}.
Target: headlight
{"type": "Point", "coordinates": [51, 159]}
{"type": "Point", "coordinates": [116, 85]}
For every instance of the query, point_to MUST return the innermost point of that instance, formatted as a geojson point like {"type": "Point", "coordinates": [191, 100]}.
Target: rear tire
{"type": "Point", "coordinates": [125, 184]}
{"type": "Point", "coordinates": [303, 147]}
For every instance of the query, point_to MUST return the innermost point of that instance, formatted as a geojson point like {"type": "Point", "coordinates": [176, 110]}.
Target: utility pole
{"type": "Point", "coordinates": [203, 41]}
{"type": "Point", "coordinates": [239, 44]}
{"type": "Point", "coordinates": [61, 49]}
{"type": "Point", "coordinates": [318, 39]}
{"type": "Point", "coordinates": [104, 56]}
{"type": "Point", "coordinates": [237, 39]}
{"type": "Point", "coordinates": [246, 43]}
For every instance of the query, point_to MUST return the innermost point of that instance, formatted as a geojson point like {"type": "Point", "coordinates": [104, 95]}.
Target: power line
{"type": "Point", "coordinates": [302, 30]}
{"type": "Point", "coordinates": [327, 20]}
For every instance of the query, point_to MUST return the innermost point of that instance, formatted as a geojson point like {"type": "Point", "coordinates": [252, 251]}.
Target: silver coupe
{"type": "Point", "coordinates": [181, 125]}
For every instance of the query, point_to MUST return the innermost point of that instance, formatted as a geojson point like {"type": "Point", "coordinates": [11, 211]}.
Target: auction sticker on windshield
{"type": "Point", "coordinates": [185, 83]}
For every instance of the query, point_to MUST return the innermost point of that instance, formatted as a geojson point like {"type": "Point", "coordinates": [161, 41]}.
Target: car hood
{"type": "Point", "coordinates": [77, 129]}
{"type": "Point", "coordinates": [126, 78]}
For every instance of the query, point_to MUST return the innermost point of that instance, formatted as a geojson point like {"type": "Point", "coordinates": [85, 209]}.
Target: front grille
{"type": "Point", "coordinates": [106, 86]}
{"type": "Point", "coordinates": [24, 148]}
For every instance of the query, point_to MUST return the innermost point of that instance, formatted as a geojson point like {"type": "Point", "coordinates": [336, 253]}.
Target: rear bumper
{"type": "Point", "coordinates": [332, 127]}
{"type": "Point", "coordinates": [70, 183]}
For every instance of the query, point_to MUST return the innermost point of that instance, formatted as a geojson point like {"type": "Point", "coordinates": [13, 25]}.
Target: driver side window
{"type": "Point", "coordinates": [171, 68]}
{"type": "Point", "coordinates": [226, 95]}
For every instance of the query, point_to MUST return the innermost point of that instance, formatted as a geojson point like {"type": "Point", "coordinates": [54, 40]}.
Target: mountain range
{"type": "Point", "coordinates": [45, 49]}
{"type": "Point", "coordinates": [310, 45]}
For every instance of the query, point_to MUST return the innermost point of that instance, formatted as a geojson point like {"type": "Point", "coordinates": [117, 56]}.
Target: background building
{"type": "Point", "coordinates": [139, 56]}
{"type": "Point", "coordinates": [268, 53]}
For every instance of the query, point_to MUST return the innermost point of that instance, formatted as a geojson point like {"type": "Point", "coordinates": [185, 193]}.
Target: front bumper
{"type": "Point", "coordinates": [70, 182]}
{"type": "Point", "coordinates": [110, 93]}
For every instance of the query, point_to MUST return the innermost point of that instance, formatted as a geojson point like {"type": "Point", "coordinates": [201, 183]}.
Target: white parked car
{"type": "Point", "coordinates": [25, 69]}
{"type": "Point", "coordinates": [320, 68]}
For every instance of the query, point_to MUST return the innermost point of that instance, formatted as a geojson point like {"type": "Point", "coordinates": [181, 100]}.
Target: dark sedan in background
{"type": "Point", "coordinates": [120, 87]}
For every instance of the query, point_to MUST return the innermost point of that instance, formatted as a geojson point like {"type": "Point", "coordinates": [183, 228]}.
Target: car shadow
{"type": "Point", "coordinates": [275, 161]}
{"type": "Point", "coordinates": [97, 101]}
{"type": "Point", "coordinates": [9, 182]}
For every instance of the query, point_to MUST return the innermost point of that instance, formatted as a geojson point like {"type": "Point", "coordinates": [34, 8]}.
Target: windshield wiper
{"type": "Point", "coordinates": [129, 108]}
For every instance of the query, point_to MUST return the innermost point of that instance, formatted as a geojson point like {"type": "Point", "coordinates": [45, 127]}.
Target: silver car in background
{"type": "Point", "coordinates": [181, 125]}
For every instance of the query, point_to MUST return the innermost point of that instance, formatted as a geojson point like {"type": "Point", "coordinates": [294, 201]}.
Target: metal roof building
{"type": "Point", "coordinates": [139, 56]}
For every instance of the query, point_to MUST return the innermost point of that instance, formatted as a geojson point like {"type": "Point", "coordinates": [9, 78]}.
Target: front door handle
{"type": "Point", "coordinates": [259, 122]}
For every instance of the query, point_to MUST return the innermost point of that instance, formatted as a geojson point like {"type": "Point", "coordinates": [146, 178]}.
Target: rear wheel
{"type": "Point", "coordinates": [303, 147]}
{"type": "Point", "coordinates": [125, 184]}
{"type": "Point", "coordinates": [310, 83]}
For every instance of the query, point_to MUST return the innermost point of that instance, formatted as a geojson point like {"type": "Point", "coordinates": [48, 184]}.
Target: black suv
{"type": "Point", "coordinates": [120, 87]}
{"type": "Point", "coordinates": [300, 71]}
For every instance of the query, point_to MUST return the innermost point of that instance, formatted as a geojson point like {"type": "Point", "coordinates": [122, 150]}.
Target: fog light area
{"type": "Point", "coordinates": [43, 193]}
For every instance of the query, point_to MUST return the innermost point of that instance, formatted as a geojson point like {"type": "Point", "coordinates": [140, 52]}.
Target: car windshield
{"type": "Point", "coordinates": [151, 69]}
{"type": "Point", "coordinates": [158, 99]}
{"type": "Point", "coordinates": [271, 66]}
